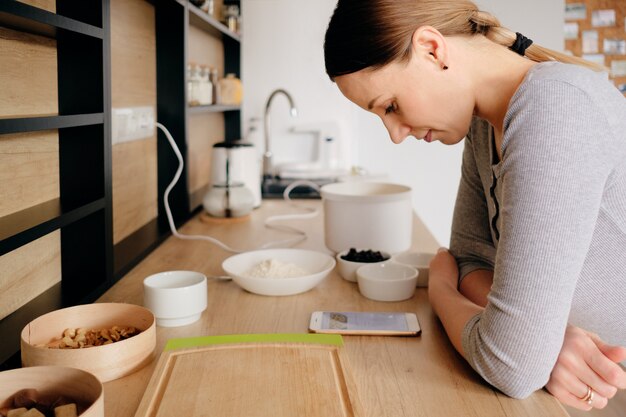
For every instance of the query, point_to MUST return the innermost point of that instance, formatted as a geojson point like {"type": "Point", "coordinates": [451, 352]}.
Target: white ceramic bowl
{"type": "Point", "coordinates": [316, 263]}
{"type": "Point", "coordinates": [419, 261]}
{"type": "Point", "coordinates": [347, 269]}
{"type": "Point", "coordinates": [176, 298]}
{"type": "Point", "coordinates": [387, 281]}
{"type": "Point", "coordinates": [367, 214]}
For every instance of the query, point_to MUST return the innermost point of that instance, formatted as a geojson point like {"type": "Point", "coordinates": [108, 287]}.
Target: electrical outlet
{"type": "Point", "coordinates": [132, 123]}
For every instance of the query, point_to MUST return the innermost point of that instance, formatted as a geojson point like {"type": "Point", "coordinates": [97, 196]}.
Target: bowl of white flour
{"type": "Point", "coordinates": [279, 271]}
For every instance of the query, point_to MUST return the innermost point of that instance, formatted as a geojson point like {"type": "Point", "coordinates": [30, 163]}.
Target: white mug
{"type": "Point", "coordinates": [176, 298]}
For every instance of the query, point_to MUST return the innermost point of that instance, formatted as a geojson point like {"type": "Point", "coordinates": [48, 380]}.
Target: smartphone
{"type": "Point", "coordinates": [376, 324]}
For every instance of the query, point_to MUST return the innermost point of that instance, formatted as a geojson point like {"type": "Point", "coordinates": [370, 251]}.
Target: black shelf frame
{"type": "Point", "coordinates": [32, 124]}
{"type": "Point", "coordinates": [210, 24]}
{"type": "Point", "coordinates": [90, 262]}
{"type": "Point", "coordinates": [173, 19]}
{"type": "Point", "coordinates": [132, 249]}
{"type": "Point", "coordinates": [30, 19]}
{"type": "Point", "coordinates": [30, 224]}
{"type": "Point", "coordinates": [83, 211]}
{"type": "Point", "coordinates": [214, 108]}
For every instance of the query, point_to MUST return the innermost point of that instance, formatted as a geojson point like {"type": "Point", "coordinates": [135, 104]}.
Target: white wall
{"type": "Point", "coordinates": [282, 47]}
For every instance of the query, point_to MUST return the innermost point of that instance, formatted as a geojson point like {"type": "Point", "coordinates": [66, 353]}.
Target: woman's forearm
{"type": "Point", "coordinates": [452, 308]}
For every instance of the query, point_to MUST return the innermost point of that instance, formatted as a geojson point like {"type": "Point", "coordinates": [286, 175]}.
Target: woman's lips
{"type": "Point", "coordinates": [429, 136]}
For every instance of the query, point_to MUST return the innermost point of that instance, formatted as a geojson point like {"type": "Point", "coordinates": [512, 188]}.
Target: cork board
{"type": "Point", "coordinates": [616, 32]}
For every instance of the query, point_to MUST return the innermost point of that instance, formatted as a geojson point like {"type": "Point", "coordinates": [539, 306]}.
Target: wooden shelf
{"type": "Point", "coordinates": [26, 18]}
{"type": "Point", "coordinates": [216, 108]}
{"type": "Point", "coordinates": [31, 124]}
{"type": "Point", "coordinates": [13, 324]}
{"type": "Point", "coordinates": [25, 226]}
{"type": "Point", "coordinates": [83, 212]}
{"type": "Point", "coordinates": [209, 24]}
{"type": "Point", "coordinates": [52, 299]}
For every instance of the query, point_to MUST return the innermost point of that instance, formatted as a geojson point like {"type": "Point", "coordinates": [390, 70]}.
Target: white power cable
{"type": "Point", "coordinates": [269, 222]}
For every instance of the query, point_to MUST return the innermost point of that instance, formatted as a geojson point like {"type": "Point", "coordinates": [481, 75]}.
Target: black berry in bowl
{"type": "Point", "coordinates": [364, 256]}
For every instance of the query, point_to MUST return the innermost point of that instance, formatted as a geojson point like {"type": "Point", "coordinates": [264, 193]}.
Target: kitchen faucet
{"type": "Point", "coordinates": [267, 156]}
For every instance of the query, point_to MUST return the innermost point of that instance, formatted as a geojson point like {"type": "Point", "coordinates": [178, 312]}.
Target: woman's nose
{"type": "Point", "coordinates": [397, 131]}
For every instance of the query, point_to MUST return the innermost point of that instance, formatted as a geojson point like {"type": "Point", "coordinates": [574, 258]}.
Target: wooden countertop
{"type": "Point", "coordinates": [395, 376]}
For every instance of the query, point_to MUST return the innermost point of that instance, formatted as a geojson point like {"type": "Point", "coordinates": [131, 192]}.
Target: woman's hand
{"type": "Point", "coordinates": [586, 361]}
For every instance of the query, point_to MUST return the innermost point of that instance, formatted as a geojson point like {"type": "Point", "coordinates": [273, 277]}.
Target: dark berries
{"type": "Point", "coordinates": [364, 256]}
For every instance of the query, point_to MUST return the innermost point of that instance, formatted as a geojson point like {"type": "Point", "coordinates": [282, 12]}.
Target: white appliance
{"type": "Point", "coordinates": [243, 166]}
{"type": "Point", "coordinates": [325, 161]}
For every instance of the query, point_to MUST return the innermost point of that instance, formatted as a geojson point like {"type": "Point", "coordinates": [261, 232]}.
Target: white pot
{"type": "Point", "coordinates": [376, 216]}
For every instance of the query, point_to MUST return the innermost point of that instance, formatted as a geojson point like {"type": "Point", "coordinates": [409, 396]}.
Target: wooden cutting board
{"type": "Point", "coordinates": [251, 375]}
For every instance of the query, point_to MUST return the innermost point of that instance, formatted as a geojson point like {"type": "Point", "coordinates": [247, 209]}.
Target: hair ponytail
{"type": "Point", "coordinates": [373, 33]}
{"type": "Point", "coordinates": [488, 25]}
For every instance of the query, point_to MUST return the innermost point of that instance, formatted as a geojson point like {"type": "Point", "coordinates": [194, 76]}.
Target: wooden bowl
{"type": "Point", "coordinates": [73, 383]}
{"type": "Point", "coordinates": [107, 362]}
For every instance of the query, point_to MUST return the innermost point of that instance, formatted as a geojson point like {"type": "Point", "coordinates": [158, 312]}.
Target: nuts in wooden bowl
{"type": "Point", "coordinates": [107, 361]}
{"type": "Point", "coordinates": [84, 338]}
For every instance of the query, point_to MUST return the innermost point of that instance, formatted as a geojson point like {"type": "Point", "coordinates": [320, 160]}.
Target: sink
{"type": "Point", "coordinates": [275, 186]}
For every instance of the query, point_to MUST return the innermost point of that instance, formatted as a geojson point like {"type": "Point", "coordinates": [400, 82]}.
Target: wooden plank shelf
{"type": "Point", "coordinates": [54, 298]}
{"type": "Point", "coordinates": [25, 226]}
{"type": "Point", "coordinates": [31, 124]}
{"type": "Point", "coordinates": [13, 324]}
{"type": "Point", "coordinates": [210, 24]}
{"type": "Point", "coordinates": [26, 18]}
{"type": "Point", "coordinates": [216, 108]}
{"type": "Point", "coordinates": [83, 212]}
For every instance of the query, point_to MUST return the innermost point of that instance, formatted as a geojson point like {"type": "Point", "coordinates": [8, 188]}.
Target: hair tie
{"type": "Point", "coordinates": [521, 44]}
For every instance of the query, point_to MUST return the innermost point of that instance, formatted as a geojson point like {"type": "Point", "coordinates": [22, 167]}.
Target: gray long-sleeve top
{"type": "Point", "coordinates": [549, 219]}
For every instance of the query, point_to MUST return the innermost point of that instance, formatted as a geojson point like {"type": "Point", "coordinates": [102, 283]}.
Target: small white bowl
{"type": "Point", "coordinates": [176, 298]}
{"type": "Point", "coordinates": [347, 269]}
{"type": "Point", "coordinates": [387, 281]}
{"type": "Point", "coordinates": [419, 261]}
{"type": "Point", "coordinates": [317, 264]}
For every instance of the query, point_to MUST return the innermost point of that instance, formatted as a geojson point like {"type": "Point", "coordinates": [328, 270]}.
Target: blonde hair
{"type": "Point", "coordinates": [490, 27]}
{"type": "Point", "coordinates": [372, 33]}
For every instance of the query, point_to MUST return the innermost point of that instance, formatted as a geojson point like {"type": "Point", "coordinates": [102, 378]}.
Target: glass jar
{"type": "Point", "coordinates": [215, 83]}
{"type": "Point", "coordinates": [193, 85]}
{"type": "Point", "coordinates": [231, 90]}
{"type": "Point", "coordinates": [231, 17]}
{"type": "Point", "coordinates": [208, 7]}
{"type": "Point", "coordinates": [228, 200]}
{"type": "Point", "coordinates": [206, 87]}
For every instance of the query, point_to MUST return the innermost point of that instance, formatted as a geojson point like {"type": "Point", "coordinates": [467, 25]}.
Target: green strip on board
{"type": "Point", "coordinates": [191, 342]}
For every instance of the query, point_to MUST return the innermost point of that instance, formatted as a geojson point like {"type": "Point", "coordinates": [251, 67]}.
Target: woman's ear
{"type": "Point", "coordinates": [429, 45]}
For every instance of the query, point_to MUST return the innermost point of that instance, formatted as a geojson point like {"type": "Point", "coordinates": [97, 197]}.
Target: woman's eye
{"type": "Point", "coordinates": [390, 108]}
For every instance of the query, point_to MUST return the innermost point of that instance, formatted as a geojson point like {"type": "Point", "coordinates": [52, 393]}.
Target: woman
{"type": "Point", "coordinates": [539, 230]}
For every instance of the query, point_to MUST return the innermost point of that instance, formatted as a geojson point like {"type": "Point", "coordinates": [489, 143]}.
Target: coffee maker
{"type": "Point", "coordinates": [243, 167]}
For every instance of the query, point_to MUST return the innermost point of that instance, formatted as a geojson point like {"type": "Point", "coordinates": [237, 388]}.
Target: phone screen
{"type": "Point", "coordinates": [364, 321]}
